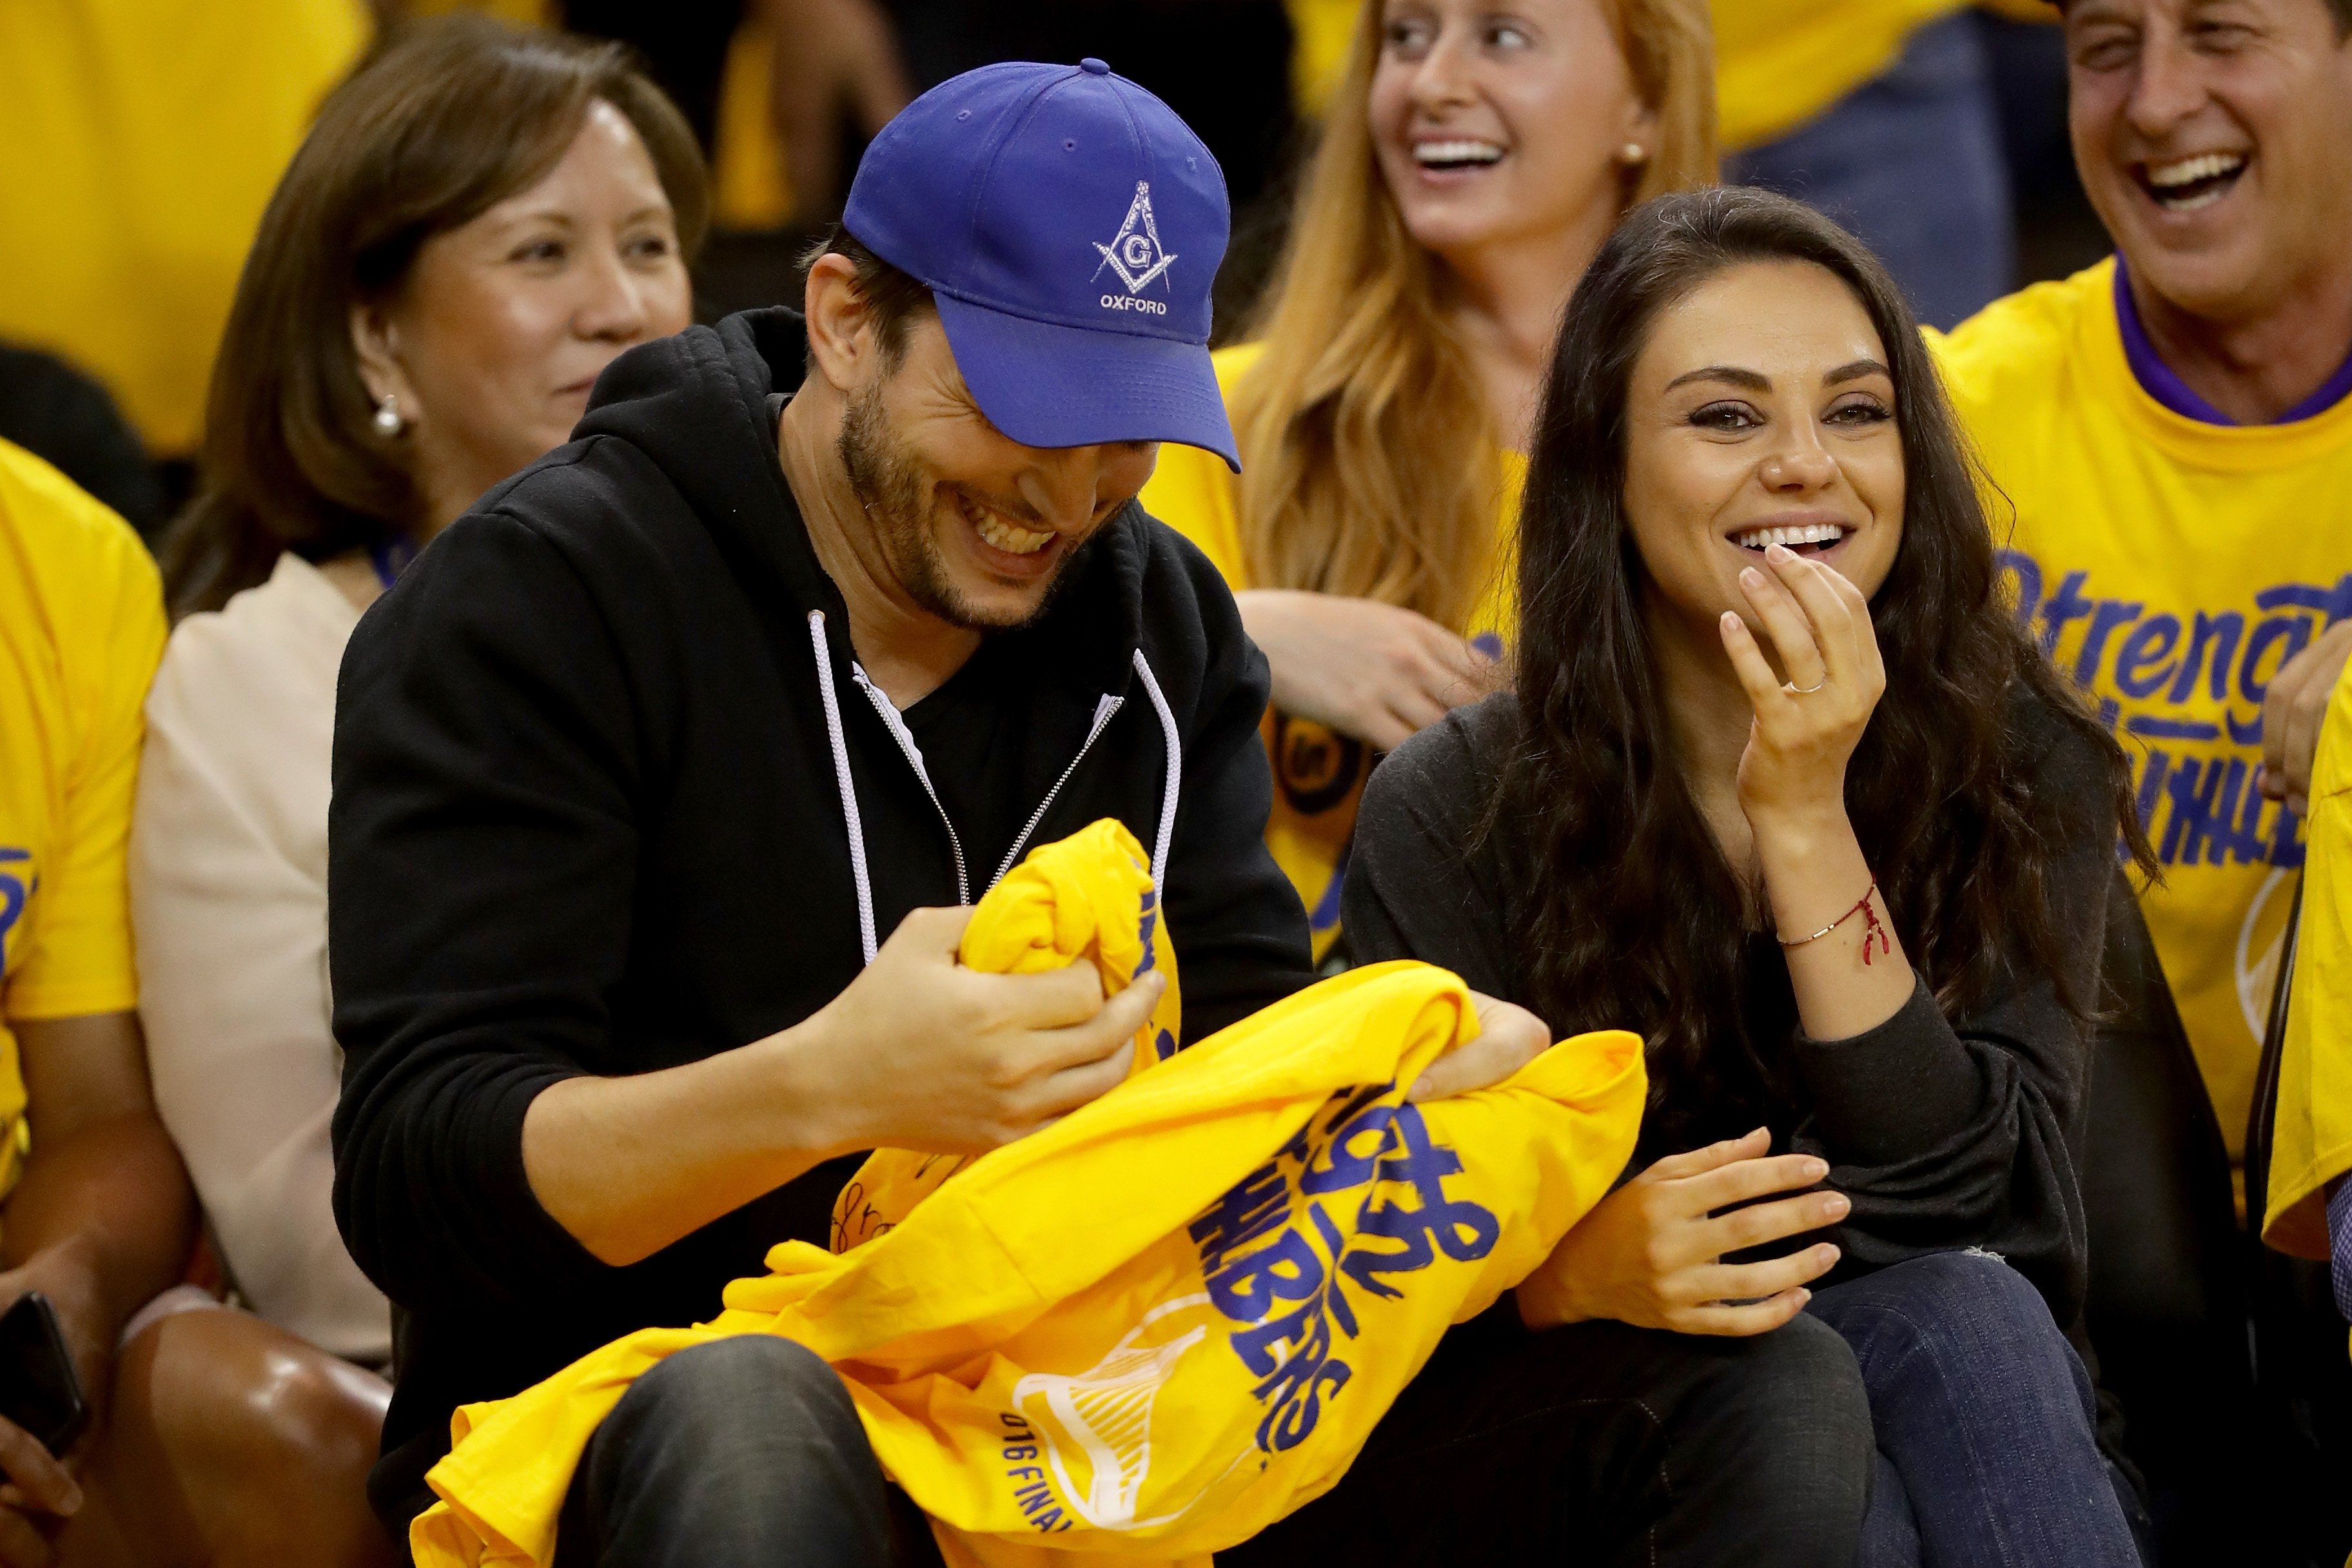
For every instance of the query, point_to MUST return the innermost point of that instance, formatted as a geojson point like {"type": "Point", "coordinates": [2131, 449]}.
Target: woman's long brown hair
{"type": "Point", "coordinates": [1367, 456]}
{"type": "Point", "coordinates": [1630, 915]}
{"type": "Point", "coordinates": [446, 120]}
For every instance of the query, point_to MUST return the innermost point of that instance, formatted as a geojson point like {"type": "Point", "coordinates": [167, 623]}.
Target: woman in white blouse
{"type": "Point", "coordinates": [479, 223]}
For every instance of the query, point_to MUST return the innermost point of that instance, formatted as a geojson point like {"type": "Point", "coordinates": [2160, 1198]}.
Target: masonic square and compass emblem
{"type": "Point", "coordinates": [1135, 252]}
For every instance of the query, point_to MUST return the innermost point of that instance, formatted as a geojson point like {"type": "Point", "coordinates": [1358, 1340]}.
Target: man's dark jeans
{"type": "Point", "coordinates": [1596, 1444]}
{"type": "Point", "coordinates": [1985, 1419]}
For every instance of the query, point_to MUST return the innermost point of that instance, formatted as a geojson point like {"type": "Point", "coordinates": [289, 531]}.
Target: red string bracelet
{"type": "Point", "coordinates": [1870, 928]}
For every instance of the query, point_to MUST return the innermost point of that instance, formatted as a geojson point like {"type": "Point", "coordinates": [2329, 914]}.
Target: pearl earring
{"type": "Point", "coordinates": [1632, 154]}
{"type": "Point", "coordinates": [387, 416]}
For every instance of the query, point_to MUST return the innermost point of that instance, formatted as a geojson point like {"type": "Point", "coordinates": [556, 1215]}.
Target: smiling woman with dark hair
{"type": "Point", "coordinates": [1783, 788]}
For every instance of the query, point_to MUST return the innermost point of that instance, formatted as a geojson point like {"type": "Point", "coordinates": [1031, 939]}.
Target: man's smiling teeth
{"type": "Point", "coordinates": [2187, 184]}
{"type": "Point", "coordinates": [1003, 535]}
{"type": "Point", "coordinates": [1809, 534]}
{"type": "Point", "coordinates": [1455, 154]}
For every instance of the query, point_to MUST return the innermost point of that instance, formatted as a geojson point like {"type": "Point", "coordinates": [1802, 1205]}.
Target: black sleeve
{"type": "Point", "coordinates": [1239, 929]}
{"type": "Point", "coordinates": [1416, 888]}
{"type": "Point", "coordinates": [472, 955]}
{"type": "Point", "coordinates": [1958, 1135]}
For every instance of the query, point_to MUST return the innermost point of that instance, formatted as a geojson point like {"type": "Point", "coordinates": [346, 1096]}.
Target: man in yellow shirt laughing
{"type": "Point", "coordinates": [2174, 430]}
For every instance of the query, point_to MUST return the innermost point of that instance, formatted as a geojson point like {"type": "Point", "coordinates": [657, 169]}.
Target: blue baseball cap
{"type": "Point", "coordinates": [1068, 225]}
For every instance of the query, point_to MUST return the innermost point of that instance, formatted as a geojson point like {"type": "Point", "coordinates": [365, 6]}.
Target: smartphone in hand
{"type": "Point", "coordinates": [39, 1389]}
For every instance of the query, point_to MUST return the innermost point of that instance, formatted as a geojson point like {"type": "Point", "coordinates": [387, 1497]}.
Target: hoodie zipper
{"type": "Point", "coordinates": [1107, 707]}
{"type": "Point", "coordinates": [897, 724]}
{"type": "Point", "coordinates": [1104, 710]}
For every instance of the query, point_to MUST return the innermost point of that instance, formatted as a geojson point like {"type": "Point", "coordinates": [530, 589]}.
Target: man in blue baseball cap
{"type": "Point", "coordinates": [663, 779]}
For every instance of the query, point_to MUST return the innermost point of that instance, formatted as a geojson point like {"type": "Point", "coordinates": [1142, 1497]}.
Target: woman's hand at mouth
{"type": "Point", "coordinates": [1806, 727]}
{"type": "Point", "coordinates": [1847, 962]}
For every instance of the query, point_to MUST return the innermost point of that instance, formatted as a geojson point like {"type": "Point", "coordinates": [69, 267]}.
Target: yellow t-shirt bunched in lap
{"type": "Point", "coordinates": [1319, 773]}
{"type": "Point", "coordinates": [81, 630]}
{"type": "Point", "coordinates": [1147, 1332]}
{"type": "Point", "coordinates": [2171, 567]}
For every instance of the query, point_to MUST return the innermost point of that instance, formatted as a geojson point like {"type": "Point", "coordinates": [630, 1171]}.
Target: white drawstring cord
{"type": "Point", "coordinates": [1169, 792]}
{"type": "Point", "coordinates": [1175, 776]}
{"type": "Point", "coordinates": [842, 781]}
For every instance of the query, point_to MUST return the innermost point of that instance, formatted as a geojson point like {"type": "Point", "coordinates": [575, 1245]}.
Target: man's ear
{"type": "Point", "coordinates": [376, 341]}
{"type": "Point", "coordinates": [841, 334]}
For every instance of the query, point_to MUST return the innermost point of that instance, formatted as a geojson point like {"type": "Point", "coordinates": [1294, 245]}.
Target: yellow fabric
{"type": "Point", "coordinates": [514, 12]}
{"type": "Point", "coordinates": [1319, 32]}
{"type": "Point", "coordinates": [2171, 567]}
{"type": "Point", "coordinates": [81, 630]}
{"type": "Point", "coordinates": [139, 142]}
{"type": "Point", "coordinates": [1319, 773]}
{"type": "Point", "coordinates": [749, 186]}
{"type": "Point", "coordinates": [2311, 1136]}
{"type": "Point", "coordinates": [1778, 63]}
{"type": "Point", "coordinates": [1244, 1253]}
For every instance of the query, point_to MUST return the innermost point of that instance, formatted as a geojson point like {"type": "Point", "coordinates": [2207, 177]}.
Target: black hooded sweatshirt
{"type": "Point", "coordinates": [612, 793]}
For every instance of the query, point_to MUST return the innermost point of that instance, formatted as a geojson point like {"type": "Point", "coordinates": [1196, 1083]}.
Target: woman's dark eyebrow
{"type": "Point", "coordinates": [1731, 374]}
{"type": "Point", "coordinates": [1856, 371]}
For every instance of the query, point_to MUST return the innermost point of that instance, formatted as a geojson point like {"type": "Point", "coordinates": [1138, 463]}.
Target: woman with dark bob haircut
{"type": "Point", "coordinates": [1784, 787]}
{"type": "Point", "coordinates": [479, 222]}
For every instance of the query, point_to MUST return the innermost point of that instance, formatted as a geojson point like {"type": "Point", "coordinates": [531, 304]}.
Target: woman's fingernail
{"type": "Point", "coordinates": [1804, 1296]}
{"type": "Point", "coordinates": [1752, 577]}
{"type": "Point", "coordinates": [1814, 1169]}
{"type": "Point", "coordinates": [1776, 554]}
{"type": "Point", "coordinates": [1827, 1254]}
{"type": "Point", "coordinates": [1835, 1205]}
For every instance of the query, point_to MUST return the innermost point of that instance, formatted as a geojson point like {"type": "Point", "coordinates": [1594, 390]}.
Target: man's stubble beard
{"type": "Point", "coordinates": [891, 488]}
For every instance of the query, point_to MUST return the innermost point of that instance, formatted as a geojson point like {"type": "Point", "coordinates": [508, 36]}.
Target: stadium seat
{"type": "Point", "coordinates": [2302, 1375]}
{"type": "Point", "coordinates": [2166, 1310]}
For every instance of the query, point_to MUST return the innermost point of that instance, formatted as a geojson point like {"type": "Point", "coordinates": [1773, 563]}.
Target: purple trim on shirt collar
{"type": "Point", "coordinates": [2159, 381]}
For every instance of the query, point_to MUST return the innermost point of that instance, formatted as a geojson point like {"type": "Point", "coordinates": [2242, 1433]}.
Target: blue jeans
{"type": "Point", "coordinates": [743, 1453]}
{"type": "Point", "coordinates": [1596, 1444]}
{"type": "Point", "coordinates": [1911, 161]}
{"type": "Point", "coordinates": [1985, 1422]}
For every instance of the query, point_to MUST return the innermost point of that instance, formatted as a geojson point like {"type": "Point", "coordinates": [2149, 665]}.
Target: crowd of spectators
{"type": "Point", "coordinates": [1672, 475]}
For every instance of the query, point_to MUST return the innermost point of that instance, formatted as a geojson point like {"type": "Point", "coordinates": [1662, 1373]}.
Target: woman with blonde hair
{"type": "Point", "coordinates": [1473, 163]}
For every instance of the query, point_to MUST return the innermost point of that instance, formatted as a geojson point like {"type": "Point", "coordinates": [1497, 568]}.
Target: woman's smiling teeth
{"type": "Point", "coordinates": [2187, 184]}
{"type": "Point", "coordinates": [1002, 535]}
{"type": "Point", "coordinates": [1461, 153]}
{"type": "Point", "coordinates": [1809, 533]}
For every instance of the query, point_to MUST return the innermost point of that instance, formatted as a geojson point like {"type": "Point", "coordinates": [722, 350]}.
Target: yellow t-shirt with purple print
{"type": "Point", "coordinates": [1136, 1336]}
{"type": "Point", "coordinates": [2170, 566]}
{"type": "Point", "coordinates": [1319, 773]}
{"type": "Point", "coordinates": [81, 630]}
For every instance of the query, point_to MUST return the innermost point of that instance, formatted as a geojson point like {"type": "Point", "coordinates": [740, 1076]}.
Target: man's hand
{"type": "Point", "coordinates": [41, 1493]}
{"type": "Point", "coordinates": [1509, 1037]}
{"type": "Point", "coordinates": [2292, 712]}
{"type": "Point", "coordinates": [39, 1497]}
{"type": "Point", "coordinates": [1367, 670]}
{"type": "Point", "coordinates": [100, 1221]}
{"type": "Point", "coordinates": [922, 1053]}
{"type": "Point", "coordinates": [831, 58]}
{"type": "Point", "coordinates": [1651, 1253]}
